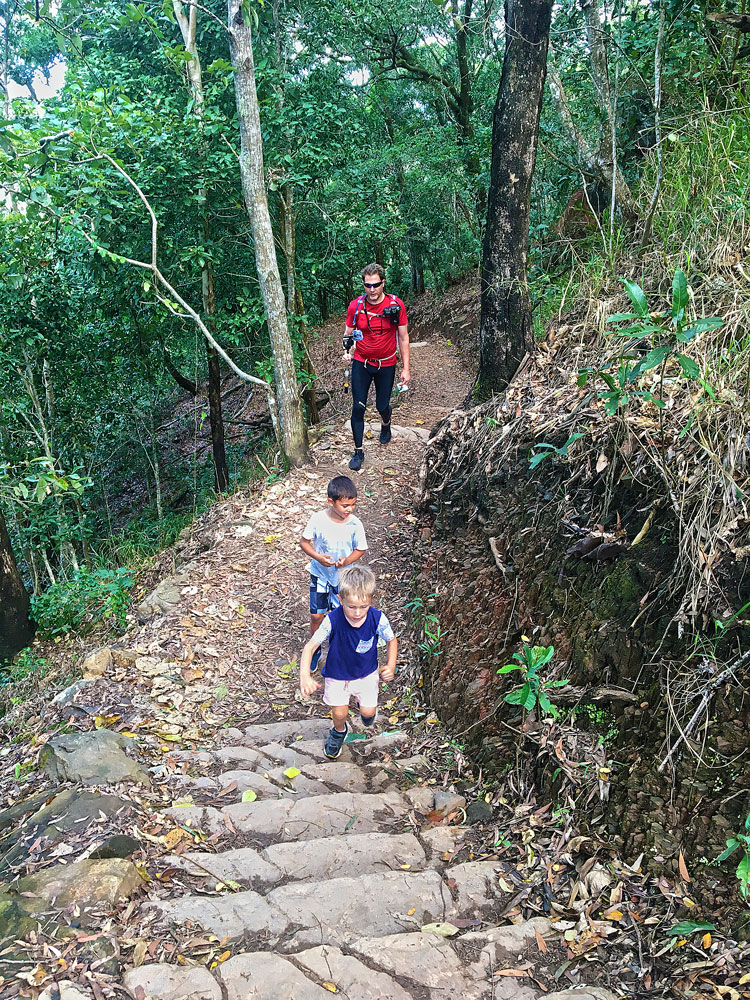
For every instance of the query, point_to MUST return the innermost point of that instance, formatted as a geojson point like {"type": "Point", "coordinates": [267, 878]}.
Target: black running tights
{"type": "Point", "coordinates": [363, 375]}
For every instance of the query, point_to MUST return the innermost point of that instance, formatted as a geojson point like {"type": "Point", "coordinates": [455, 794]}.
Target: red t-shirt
{"type": "Point", "coordinates": [378, 341]}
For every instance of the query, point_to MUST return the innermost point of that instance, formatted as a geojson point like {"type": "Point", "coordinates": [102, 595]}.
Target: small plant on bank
{"type": "Point", "coordinates": [77, 604]}
{"type": "Point", "coordinates": [740, 843]}
{"type": "Point", "coordinates": [429, 624]}
{"type": "Point", "coordinates": [664, 331]}
{"type": "Point", "coordinates": [534, 690]}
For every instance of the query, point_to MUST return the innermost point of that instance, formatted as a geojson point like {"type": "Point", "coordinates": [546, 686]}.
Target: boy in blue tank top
{"type": "Point", "coordinates": [351, 668]}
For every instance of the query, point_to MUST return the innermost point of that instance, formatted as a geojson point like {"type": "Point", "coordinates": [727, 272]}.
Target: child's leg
{"type": "Point", "coordinates": [340, 714]}
{"type": "Point", "coordinates": [368, 715]}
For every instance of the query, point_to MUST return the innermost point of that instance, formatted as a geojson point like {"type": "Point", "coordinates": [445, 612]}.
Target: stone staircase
{"type": "Point", "coordinates": [338, 889]}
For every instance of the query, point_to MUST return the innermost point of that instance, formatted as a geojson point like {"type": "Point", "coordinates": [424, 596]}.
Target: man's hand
{"type": "Point", "coordinates": [307, 685]}
{"type": "Point", "coordinates": [405, 376]}
{"type": "Point", "coordinates": [346, 357]}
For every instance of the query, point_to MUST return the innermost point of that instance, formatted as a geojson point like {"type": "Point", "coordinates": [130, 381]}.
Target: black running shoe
{"type": "Point", "coordinates": [385, 433]}
{"type": "Point", "coordinates": [355, 462]}
{"type": "Point", "coordinates": [334, 743]}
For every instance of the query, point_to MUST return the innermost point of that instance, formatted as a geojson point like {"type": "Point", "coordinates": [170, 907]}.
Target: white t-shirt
{"type": "Point", "coordinates": [336, 539]}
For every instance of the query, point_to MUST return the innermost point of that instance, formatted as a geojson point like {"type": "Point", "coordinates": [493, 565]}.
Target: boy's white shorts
{"type": "Point", "coordinates": [364, 690]}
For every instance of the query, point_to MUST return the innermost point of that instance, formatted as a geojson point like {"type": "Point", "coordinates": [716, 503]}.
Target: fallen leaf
{"type": "Point", "coordinates": [172, 839]}
{"type": "Point", "coordinates": [331, 987]}
{"type": "Point", "coordinates": [443, 930]}
{"type": "Point", "coordinates": [518, 973]}
{"type": "Point", "coordinates": [683, 868]}
{"type": "Point", "coordinates": [292, 772]}
{"type": "Point", "coordinates": [139, 952]}
{"type": "Point", "coordinates": [602, 462]}
{"type": "Point", "coordinates": [249, 795]}
{"type": "Point", "coordinates": [541, 943]}
{"type": "Point", "coordinates": [224, 956]}
{"type": "Point", "coordinates": [706, 940]}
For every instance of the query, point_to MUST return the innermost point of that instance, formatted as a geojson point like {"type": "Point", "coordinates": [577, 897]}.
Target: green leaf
{"type": "Point", "coordinates": [249, 795]}
{"type": "Point", "coordinates": [680, 297]}
{"type": "Point", "coordinates": [731, 847]}
{"type": "Point", "coordinates": [635, 293]}
{"type": "Point", "coordinates": [688, 927]}
{"type": "Point", "coordinates": [743, 874]}
{"type": "Point", "coordinates": [528, 697]}
{"type": "Point", "coordinates": [508, 668]}
{"type": "Point", "coordinates": [292, 772]}
{"type": "Point", "coordinates": [689, 367]}
{"type": "Point", "coordinates": [514, 697]}
{"type": "Point", "coordinates": [700, 326]}
{"type": "Point", "coordinates": [353, 737]}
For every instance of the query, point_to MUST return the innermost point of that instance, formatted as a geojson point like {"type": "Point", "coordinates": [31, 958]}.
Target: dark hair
{"type": "Point", "coordinates": [341, 488]}
{"type": "Point", "coordinates": [373, 269]}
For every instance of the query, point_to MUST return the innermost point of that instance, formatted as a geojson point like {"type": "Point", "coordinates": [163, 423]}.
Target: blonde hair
{"type": "Point", "coordinates": [356, 581]}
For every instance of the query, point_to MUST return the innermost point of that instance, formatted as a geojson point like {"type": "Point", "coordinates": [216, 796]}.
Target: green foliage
{"type": "Point", "coordinates": [536, 686]}
{"type": "Point", "coordinates": [543, 450]}
{"type": "Point", "coordinates": [25, 663]}
{"type": "Point", "coordinates": [78, 604]}
{"type": "Point", "coordinates": [741, 842]}
{"type": "Point", "coordinates": [663, 333]}
{"type": "Point", "coordinates": [428, 624]}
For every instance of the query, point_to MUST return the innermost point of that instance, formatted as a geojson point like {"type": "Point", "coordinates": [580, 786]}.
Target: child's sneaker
{"type": "Point", "coordinates": [335, 742]}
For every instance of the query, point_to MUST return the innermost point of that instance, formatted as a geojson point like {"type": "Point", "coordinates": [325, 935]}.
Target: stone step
{"type": "Point", "coordinates": [351, 977]}
{"type": "Point", "coordinates": [307, 914]}
{"type": "Point", "coordinates": [244, 865]}
{"type": "Point", "coordinates": [260, 976]}
{"type": "Point", "coordinates": [286, 730]}
{"type": "Point", "coordinates": [319, 815]}
{"type": "Point", "coordinates": [352, 855]}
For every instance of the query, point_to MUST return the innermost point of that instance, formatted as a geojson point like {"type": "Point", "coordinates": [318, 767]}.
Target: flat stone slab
{"type": "Point", "coordinates": [350, 976]}
{"type": "Point", "coordinates": [582, 993]}
{"type": "Point", "coordinates": [93, 758]}
{"type": "Point", "coordinates": [259, 783]}
{"type": "Point", "coordinates": [204, 818]}
{"type": "Point", "coordinates": [319, 815]}
{"type": "Point", "coordinates": [352, 855]}
{"type": "Point", "coordinates": [313, 748]}
{"type": "Point", "coordinates": [288, 756]}
{"type": "Point", "coordinates": [506, 943]}
{"type": "Point", "coordinates": [278, 732]}
{"type": "Point", "coordinates": [348, 777]}
{"type": "Point", "coordinates": [440, 839]}
{"type": "Point", "coordinates": [241, 865]}
{"type": "Point", "coordinates": [172, 982]}
{"type": "Point", "coordinates": [230, 915]}
{"type": "Point", "coordinates": [301, 785]}
{"type": "Point", "coordinates": [245, 756]}
{"type": "Point", "coordinates": [341, 909]}
{"type": "Point", "coordinates": [261, 976]}
{"type": "Point", "coordinates": [427, 959]}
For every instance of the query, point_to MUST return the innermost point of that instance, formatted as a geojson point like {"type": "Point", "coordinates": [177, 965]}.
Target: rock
{"type": "Point", "coordinates": [96, 664]}
{"type": "Point", "coordinates": [231, 915]}
{"type": "Point", "coordinates": [261, 976]}
{"type": "Point", "coordinates": [18, 917]}
{"type": "Point", "coordinates": [119, 845]}
{"type": "Point", "coordinates": [318, 815]}
{"type": "Point", "coordinates": [355, 854]}
{"type": "Point", "coordinates": [479, 812]}
{"type": "Point", "coordinates": [125, 658]}
{"type": "Point", "coordinates": [506, 943]}
{"type": "Point", "coordinates": [241, 865]}
{"type": "Point", "coordinates": [93, 758]}
{"type": "Point", "coordinates": [86, 883]}
{"type": "Point", "coordinates": [252, 780]}
{"type": "Point", "coordinates": [300, 785]}
{"type": "Point", "coordinates": [232, 735]}
{"type": "Point", "coordinates": [475, 885]}
{"type": "Point", "coordinates": [164, 598]}
{"type": "Point", "coordinates": [442, 839]}
{"type": "Point", "coordinates": [240, 755]}
{"type": "Point", "coordinates": [449, 802]}
{"type": "Point", "coordinates": [342, 909]}
{"type": "Point", "coordinates": [68, 694]}
{"type": "Point", "coordinates": [276, 732]}
{"type": "Point", "coordinates": [352, 978]}
{"type": "Point", "coordinates": [421, 797]}
{"type": "Point", "coordinates": [10, 817]}
{"type": "Point", "coordinates": [289, 756]}
{"type": "Point", "coordinates": [338, 774]}
{"type": "Point", "coordinates": [426, 959]}
{"type": "Point", "coordinates": [64, 990]}
{"type": "Point", "coordinates": [172, 982]}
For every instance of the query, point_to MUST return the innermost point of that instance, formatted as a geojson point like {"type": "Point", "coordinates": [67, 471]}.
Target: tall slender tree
{"type": "Point", "coordinates": [293, 429]}
{"type": "Point", "coordinates": [506, 330]}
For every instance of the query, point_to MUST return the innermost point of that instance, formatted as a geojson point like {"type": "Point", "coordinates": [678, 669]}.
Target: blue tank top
{"type": "Point", "coordinates": [352, 652]}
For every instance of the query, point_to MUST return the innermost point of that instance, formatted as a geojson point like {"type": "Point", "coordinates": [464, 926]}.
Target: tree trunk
{"type": "Point", "coordinates": [310, 395]}
{"type": "Point", "coordinates": [16, 627]}
{"type": "Point", "coordinates": [506, 331]}
{"type": "Point", "coordinates": [293, 429]}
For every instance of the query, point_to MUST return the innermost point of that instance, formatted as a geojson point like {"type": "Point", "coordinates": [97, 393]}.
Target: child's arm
{"type": "Point", "coordinates": [309, 549]}
{"type": "Point", "coordinates": [389, 670]}
{"type": "Point", "coordinates": [306, 684]}
{"type": "Point", "coordinates": [348, 560]}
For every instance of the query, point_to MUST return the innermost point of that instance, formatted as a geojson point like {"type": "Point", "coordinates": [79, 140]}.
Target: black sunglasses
{"type": "Point", "coordinates": [374, 284]}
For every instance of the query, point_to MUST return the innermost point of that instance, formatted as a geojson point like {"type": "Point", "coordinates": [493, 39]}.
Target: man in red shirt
{"type": "Point", "coordinates": [376, 330]}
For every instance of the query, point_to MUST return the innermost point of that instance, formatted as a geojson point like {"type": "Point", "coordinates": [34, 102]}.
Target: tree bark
{"type": "Point", "coordinates": [293, 429]}
{"type": "Point", "coordinates": [16, 627]}
{"type": "Point", "coordinates": [506, 330]}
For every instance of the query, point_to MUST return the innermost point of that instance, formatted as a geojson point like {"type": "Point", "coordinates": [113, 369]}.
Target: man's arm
{"type": "Point", "coordinates": [403, 346]}
{"type": "Point", "coordinates": [308, 548]}
{"type": "Point", "coordinates": [306, 684]}
{"type": "Point", "coordinates": [389, 670]}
